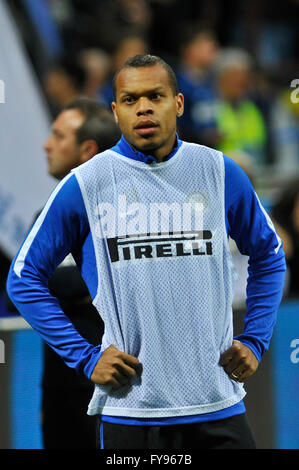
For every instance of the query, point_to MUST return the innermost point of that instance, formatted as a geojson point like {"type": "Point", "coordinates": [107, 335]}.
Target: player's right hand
{"type": "Point", "coordinates": [114, 368]}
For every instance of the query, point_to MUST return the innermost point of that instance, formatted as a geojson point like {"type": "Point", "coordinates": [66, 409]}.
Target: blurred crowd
{"type": "Point", "coordinates": [236, 64]}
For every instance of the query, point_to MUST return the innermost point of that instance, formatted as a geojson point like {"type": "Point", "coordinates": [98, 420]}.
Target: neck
{"type": "Point", "coordinates": [162, 152]}
{"type": "Point", "coordinates": [124, 147]}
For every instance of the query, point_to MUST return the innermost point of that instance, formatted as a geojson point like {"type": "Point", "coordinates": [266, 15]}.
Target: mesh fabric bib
{"type": "Point", "coordinates": [164, 293]}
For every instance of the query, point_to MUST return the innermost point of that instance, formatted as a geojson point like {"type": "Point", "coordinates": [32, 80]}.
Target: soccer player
{"type": "Point", "coordinates": [169, 373]}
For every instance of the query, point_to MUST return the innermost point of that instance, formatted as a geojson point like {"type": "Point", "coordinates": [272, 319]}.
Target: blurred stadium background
{"type": "Point", "coordinates": [237, 64]}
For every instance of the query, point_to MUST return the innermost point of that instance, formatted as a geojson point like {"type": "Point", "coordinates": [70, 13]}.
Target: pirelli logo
{"type": "Point", "coordinates": [160, 245]}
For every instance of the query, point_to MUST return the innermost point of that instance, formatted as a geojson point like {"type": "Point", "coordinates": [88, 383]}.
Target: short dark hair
{"type": "Point", "coordinates": [99, 123]}
{"type": "Point", "coordinates": [147, 60]}
{"type": "Point", "coordinates": [71, 67]}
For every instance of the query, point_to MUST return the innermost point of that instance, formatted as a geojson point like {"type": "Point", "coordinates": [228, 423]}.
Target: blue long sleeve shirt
{"type": "Point", "coordinates": [63, 228]}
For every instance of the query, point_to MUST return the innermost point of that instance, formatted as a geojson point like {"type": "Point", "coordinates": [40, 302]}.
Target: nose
{"type": "Point", "coordinates": [144, 106]}
{"type": "Point", "coordinates": [47, 144]}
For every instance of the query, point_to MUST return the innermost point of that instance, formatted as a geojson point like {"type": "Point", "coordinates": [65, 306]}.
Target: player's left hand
{"type": "Point", "coordinates": [239, 362]}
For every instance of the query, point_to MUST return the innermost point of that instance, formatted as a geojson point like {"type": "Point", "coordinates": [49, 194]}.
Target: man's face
{"type": "Point", "coordinates": [63, 150]}
{"type": "Point", "coordinates": [146, 109]}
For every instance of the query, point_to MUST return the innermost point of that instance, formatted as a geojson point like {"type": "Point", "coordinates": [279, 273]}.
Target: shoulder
{"type": "Point", "coordinates": [207, 154]}
{"type": "Point", "coordinates": [201, 148]}
{"type": "Point", "coordinates": [233, 169]}
{"type": "Point", "coordinates": [67, 193]}
{"type": "Point", "coordinates": [64, 204]}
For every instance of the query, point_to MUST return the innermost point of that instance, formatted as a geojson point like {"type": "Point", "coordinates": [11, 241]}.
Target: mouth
{"type": "Point", "coordinates": [146, 128]}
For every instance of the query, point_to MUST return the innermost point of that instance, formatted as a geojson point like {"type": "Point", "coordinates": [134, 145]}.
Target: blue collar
{"type": "Point", "coordinates": [125, 149]}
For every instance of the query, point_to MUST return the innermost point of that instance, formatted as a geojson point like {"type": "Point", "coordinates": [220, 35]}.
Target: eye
{"type": "Point", "coordinates": [129, 99]}
{"type": "Point", "coordinates": [156, 96]}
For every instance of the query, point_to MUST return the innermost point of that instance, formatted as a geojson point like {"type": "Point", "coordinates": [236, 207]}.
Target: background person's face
{"type": "Point", "coordinates": [146, 109]}
{"type": "Point", "coordinates": [235, 83]}
{"type": "Point", "coordinates": [63, 150]}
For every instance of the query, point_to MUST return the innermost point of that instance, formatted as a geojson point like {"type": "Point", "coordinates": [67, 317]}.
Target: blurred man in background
{"type": "Point", "coordinates": [80, 131]}
{"type": "Point", "coordinates": [239, 121]}
{"type": "Point", "coordinates": [197, 54]}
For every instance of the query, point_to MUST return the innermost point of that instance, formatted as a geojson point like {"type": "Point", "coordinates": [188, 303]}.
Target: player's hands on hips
{"type": "Point", "coordinates": [114, 368]}
{"type": "Point", "coordinates": [239, 362]}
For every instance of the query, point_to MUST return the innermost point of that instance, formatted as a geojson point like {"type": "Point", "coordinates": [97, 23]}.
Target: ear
{"type": "Point", "coordinates": [88, 149]}
{"type": "Point", "coordinates": [180, 104]}
{"type": "Point", "coordinates": [113, 106]}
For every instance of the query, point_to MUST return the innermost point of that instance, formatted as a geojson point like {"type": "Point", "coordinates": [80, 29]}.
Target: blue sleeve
{"type": "Point", "coordinates": [61, 227]}
{"type": "Point", "coordinates": [253, 231]}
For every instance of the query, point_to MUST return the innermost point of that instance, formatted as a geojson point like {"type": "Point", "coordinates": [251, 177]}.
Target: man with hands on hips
{"type": "Point", "coordinates": [169, 372]}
